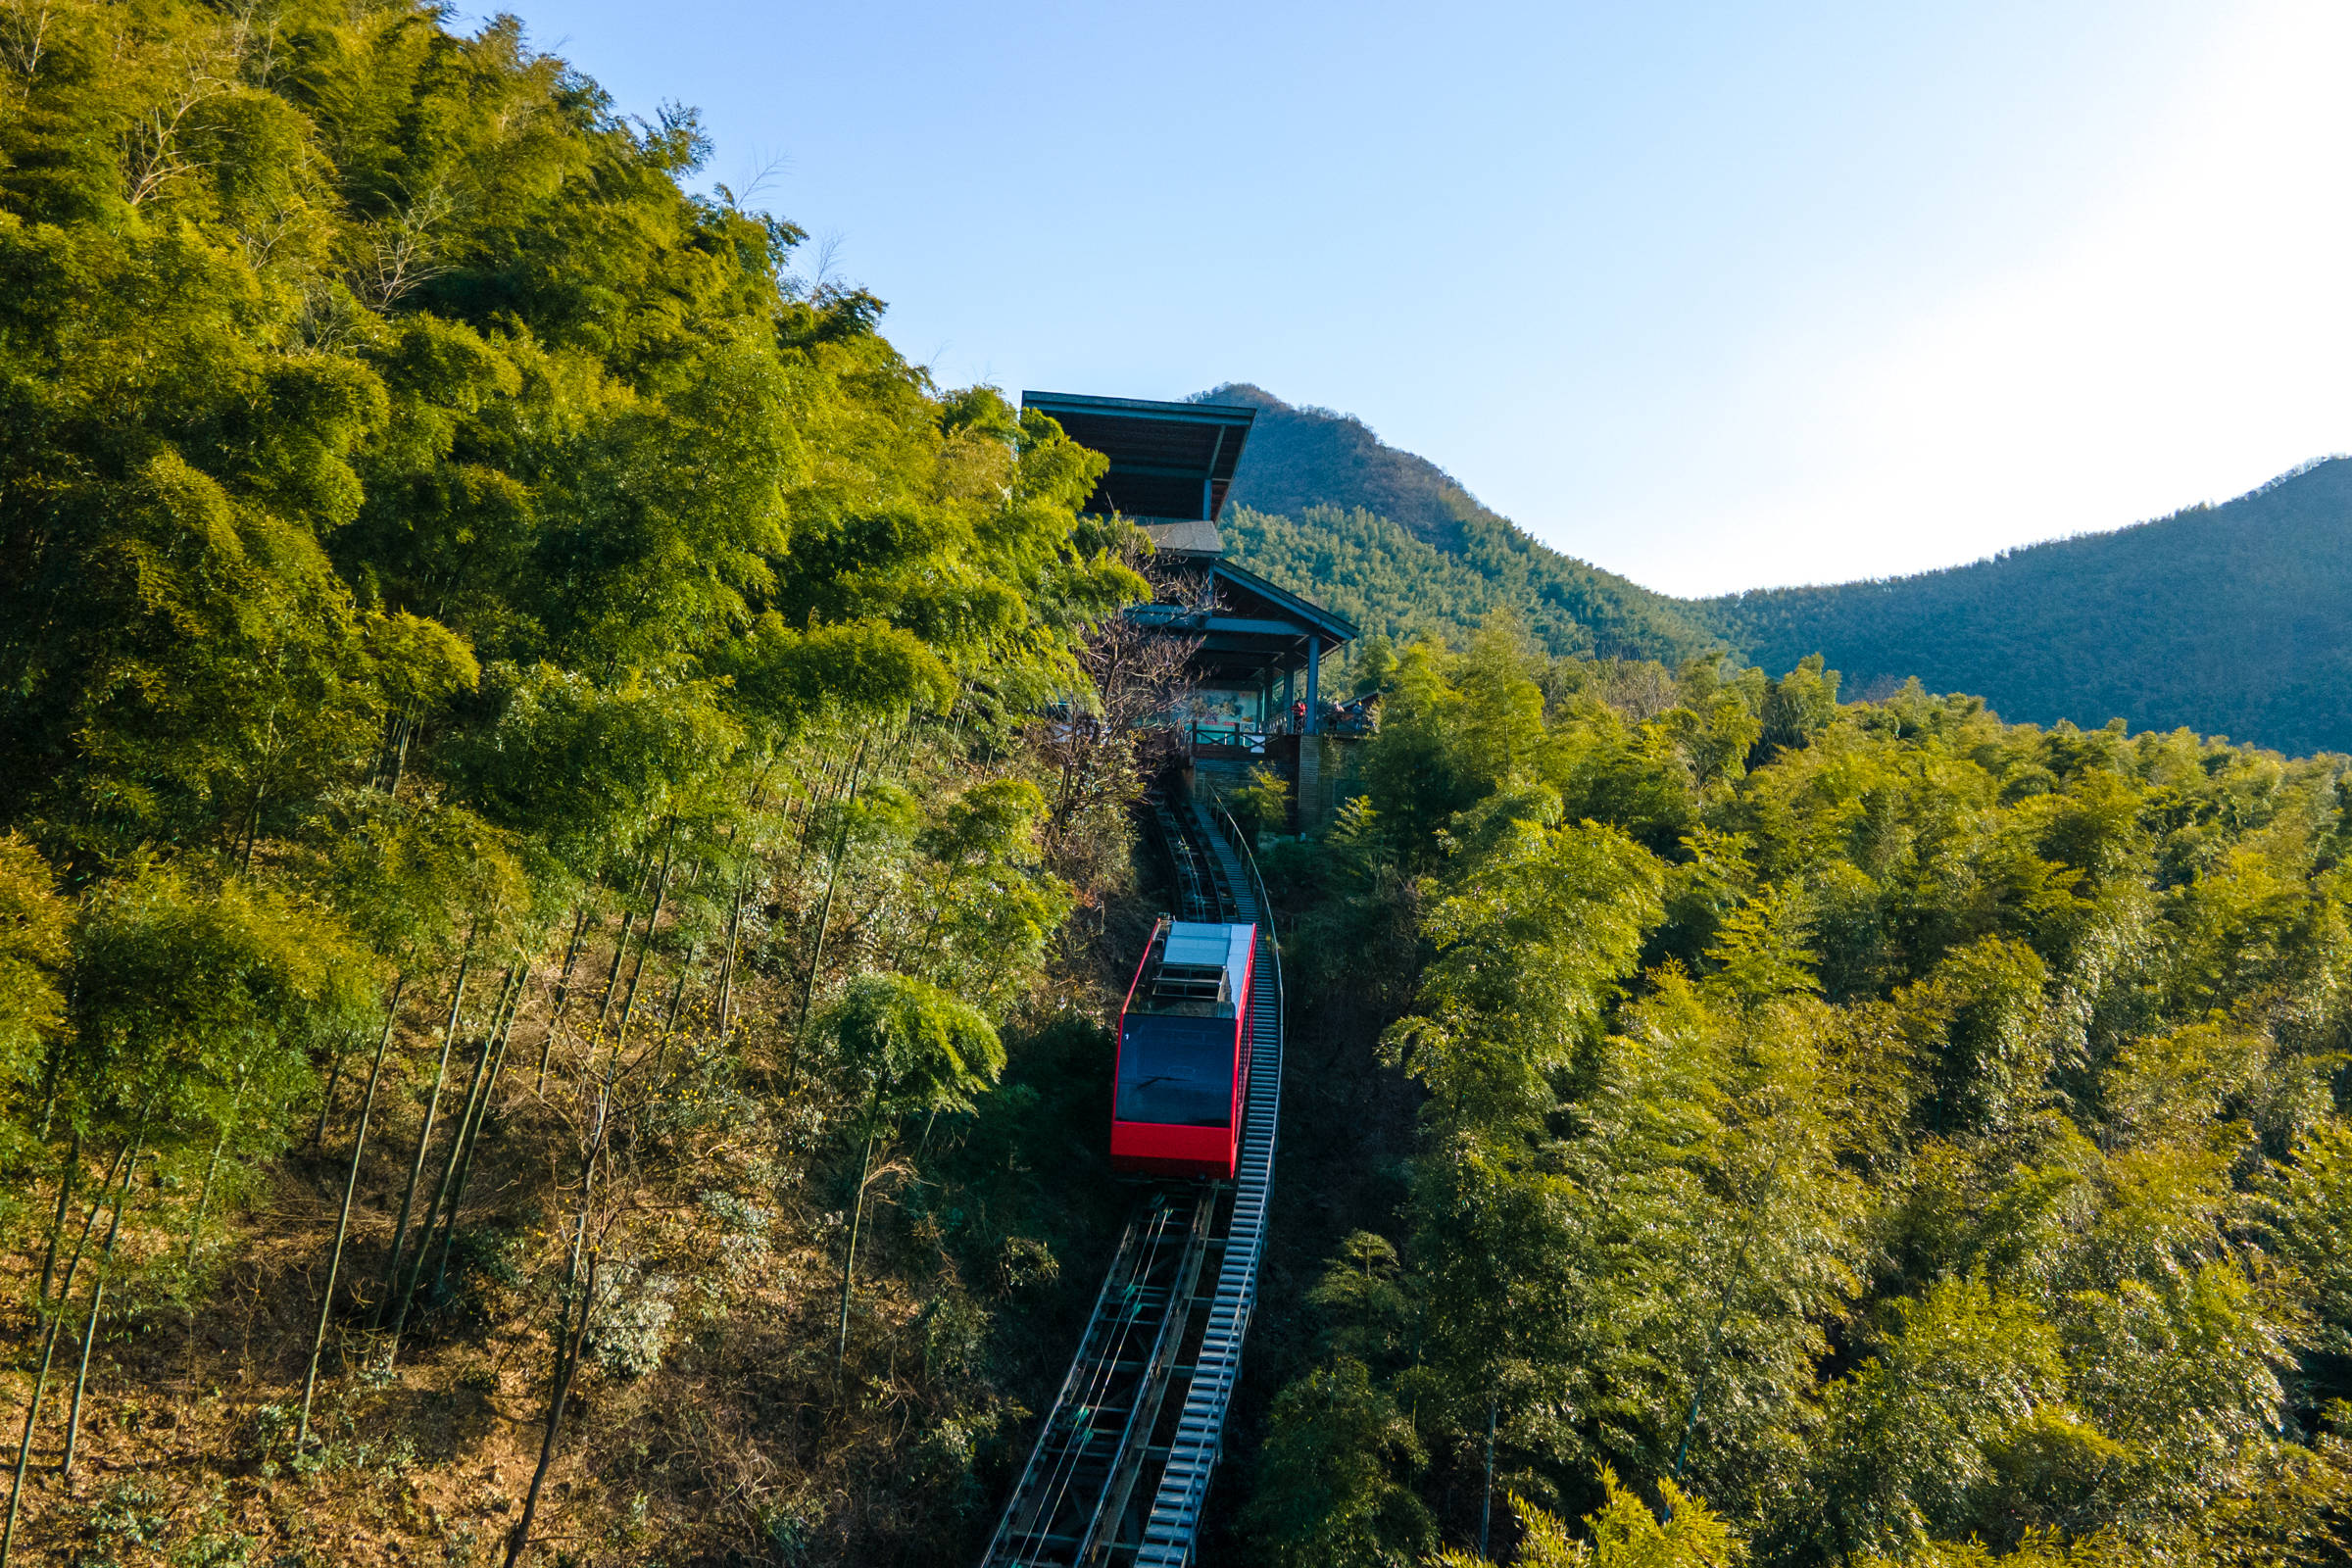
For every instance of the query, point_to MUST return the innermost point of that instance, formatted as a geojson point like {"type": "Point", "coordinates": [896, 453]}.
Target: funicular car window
{"type": "Point", "coordinates": [1177, 1072]}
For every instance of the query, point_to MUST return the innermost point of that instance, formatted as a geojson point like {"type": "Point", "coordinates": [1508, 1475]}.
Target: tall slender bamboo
{"type": "Point", "coordinates": [621, 944]}
{"type": "Point", "coordinates": [212, 1169]}
{"type": "Point", "coordinates": [830, 781]}
{"type": "Point", "coordinates": [351, 1184]}
{"type": "Point", "coordinates": [449, 1225]}
{"type": "Point", "coordinates": [849, 1262]}
{"type": "Point", "coordinates": [555, 1010]}
{"type": "Point", "coordinates": [824, 918]}
{"type": "Point", "coordinates": [726, 967]}
{"type": "Point", "coordinates": [568, 1357]}
{"type": "Point", "coordinates": [477, 1096]}
{"type": "Point", "coordinates": [406, 1289]}
{"type": "Point", "coordinates": [645, 945]}
{"type": "Point", "coordinates": [569, 1339]}
{"type": "Point", "coordinates": [620, 954]}
{"type": "Point", "coordinates": [425, 1137]}
{"type": "Point", "coordinates": [400, 757]}
{"type": "Point", "coordinates": [40, 1380]}
{"type": "Point", "coordinates": [57, 1228]}
{"type": "Point", "coordinates": [90, 1330]}
{"type": "Point", "coordinates": [1485, 1506]}
{"type": "Point", "coordinates": [327, 1095]}
{"type": "Point", "coordinates": [743, 879]}
{"type": "Point", "coordinates": [678, 994]}
{"type": "Point", "coordinates": [49, 1076]}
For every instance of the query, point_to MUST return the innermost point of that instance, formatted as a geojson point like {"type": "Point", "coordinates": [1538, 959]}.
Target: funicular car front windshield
{"type": "Point", "coordinates": [1177, 1072]}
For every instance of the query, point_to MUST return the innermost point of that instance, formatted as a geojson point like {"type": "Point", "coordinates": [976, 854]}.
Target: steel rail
{"type": "Point", "coordinates": [1173, 1527]}
{"type": "Point", "coordinates": [1112, 1385]}
{"type": "Point", "coordinates": [1093, 1453]}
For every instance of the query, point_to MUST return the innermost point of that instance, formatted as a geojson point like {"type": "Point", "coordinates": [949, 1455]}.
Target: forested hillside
{"type": "Point", "coordinates": [1839, 1133]}
{"type": "Point", "coordinates": [556, 916]}
{"type": "Point", "coordinates": [2228, 619]}
{"type": "Point", "coordinates": [537, 935]}
{"type": "Point", "coordinates": [1324, 507]}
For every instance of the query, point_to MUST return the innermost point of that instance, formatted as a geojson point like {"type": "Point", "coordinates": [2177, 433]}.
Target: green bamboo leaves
{"type": "Point", "coordinates": [1890, 1126]}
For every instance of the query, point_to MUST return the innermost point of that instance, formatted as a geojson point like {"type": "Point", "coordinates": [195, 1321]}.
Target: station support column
{"type": "Point", "coordinates": [1314, 663]}
{"type": "Point", "coordinates": [1309, 803]}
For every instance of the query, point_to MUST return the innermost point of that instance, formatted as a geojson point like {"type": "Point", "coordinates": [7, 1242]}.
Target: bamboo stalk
{"type": "Point", "coordinates": [90, 1331]}
{"type": "Point", "coordinates": [481, 1060]}
{"type": "Point", "coordinates": [424, 1138]}
{"type": "Point", "coordinates": [40, 1380]}
{"type": "Point", "coordinates": [351, 1183]}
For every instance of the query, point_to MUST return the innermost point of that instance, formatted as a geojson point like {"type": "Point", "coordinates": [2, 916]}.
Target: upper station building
{"type": "Point", "coordinates": [1258, 670]}
{"type": "Point", "coordinates": [1255, 672]}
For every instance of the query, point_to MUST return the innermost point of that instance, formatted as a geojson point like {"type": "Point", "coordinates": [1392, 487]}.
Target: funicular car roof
{"type": "Point", "coordinates": [1197, 971]}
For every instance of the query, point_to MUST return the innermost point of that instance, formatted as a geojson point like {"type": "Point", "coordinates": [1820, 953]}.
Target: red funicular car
{"type": "Point", "coordinates": [1184, 1052]}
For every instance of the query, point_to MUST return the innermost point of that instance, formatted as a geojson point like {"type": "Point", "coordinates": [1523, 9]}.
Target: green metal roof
{"type": "Point", "coordinates": [1254, 630]}
{"type": "Point", "coordinates": [1335, 628]}
{"type": "Point", "coordinates": [1172, 462]}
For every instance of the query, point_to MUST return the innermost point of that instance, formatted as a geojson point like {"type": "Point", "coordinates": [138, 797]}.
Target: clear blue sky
{"type": "Point", "coordinates": [1716, 297]}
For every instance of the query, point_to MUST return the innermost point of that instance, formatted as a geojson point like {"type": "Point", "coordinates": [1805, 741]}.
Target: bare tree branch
{"type": "Point", "coordinates": [399, 256]}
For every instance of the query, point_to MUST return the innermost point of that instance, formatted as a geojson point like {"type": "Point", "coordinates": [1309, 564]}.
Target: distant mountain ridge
{"type": "Point", "coordinates": [2232, 619]}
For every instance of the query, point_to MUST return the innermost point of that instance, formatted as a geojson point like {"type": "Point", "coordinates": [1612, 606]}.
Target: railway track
{"type": "Point", "coordinates": [1118, 1474]}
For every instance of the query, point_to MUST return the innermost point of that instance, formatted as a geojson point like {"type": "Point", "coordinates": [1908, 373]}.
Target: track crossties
{"type": "Point", "coordinates": [1119, 1473]}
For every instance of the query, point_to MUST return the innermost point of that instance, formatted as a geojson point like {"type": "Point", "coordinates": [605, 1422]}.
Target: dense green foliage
{"type": "Point", "coordinates": [514, 721]}
{"type": "Point", "coordinates": [1895, 1128]}
{"type": "Point", "coordinates": [2225, 619]}
{"type": "Point", "coordinates": [551, 979]}
{"type": "Point", "coordinates": [1325, 508]}
{"type": "Point", "coordinates": [1395, 585]}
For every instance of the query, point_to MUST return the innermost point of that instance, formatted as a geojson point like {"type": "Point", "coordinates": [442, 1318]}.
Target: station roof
{"type": "Point", "coordinates": [1254, 627]}
{"type": "Point", "coordinates": [1170, 463]}
{"type": "Point", "coordinates": [1240, 587]}
{"type": "Point", "coordinates": [1196, 537]}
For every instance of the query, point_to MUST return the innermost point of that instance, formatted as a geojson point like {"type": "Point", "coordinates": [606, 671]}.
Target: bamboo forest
{"type": "Point", "coordinates": [572, 831]}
